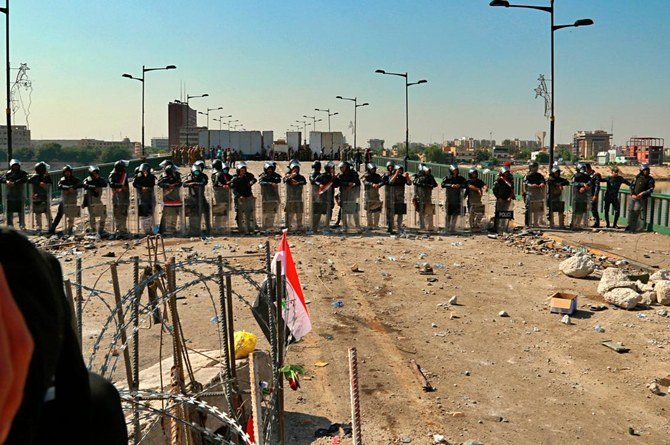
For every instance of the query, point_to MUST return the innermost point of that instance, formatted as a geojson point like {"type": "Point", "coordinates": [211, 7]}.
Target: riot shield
{"type": "Point", "coordinates": [396, 207]}
{"type": "Point", "coordinates": [120, 206]}
{"type": "Point", "coordinates": [196, 209]}
{"type": "Point", "coordinates": [221, 210]}
{"type": "Point", "coordinates": [454, 209]}
{"type": "Point", "coordinates": [70, 202]}
{"type": "Point", "coordinates": [97, 210]}
{"type": "Point", "coordinates": [349, 202]}
{"type": "Point", "coordinates": [476, 207]}
{"type": "Point", "coordinates": [373, 207]}
{"type": "Point", "coordinates": [581, 207]}
{"type": "Point", "coordinates": [145, 203]}
{"type": "Point", "coordinates": [637, 214]}
{"type": "Point", "coordinates": [504, 216]}
{"type": "Point", "coordinates": [172, 217]}
{"type": "Point", "coordinates": [244, 214]}
{"type": "Point", "coordinates": [14, 204]}
{"type": "Point", "coordinates": [295, 207]}
{"type": "Point", "coordinates": [535, 210]}
{"type": "Point", "coordinates": [321, 208]}
{"type": "Point", "coordinates": [556, 208]}
{"type": "Point", "coordinates": [269, 207]}
{"type": "Point", "coordinates": [40, 207]}
{"type": "Point", "coordinates": [424, 208]}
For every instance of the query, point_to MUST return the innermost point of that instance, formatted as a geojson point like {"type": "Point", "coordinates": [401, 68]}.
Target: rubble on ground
{"type": "Point", "coordinates": [578, 266]}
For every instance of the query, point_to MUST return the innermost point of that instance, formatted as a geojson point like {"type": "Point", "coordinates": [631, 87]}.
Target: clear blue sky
{"type": "Point", "coordinates": [270, 62]}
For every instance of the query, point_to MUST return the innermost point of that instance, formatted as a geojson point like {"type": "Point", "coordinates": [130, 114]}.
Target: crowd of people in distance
{"type": "Point", "coordinates": [204, 205]}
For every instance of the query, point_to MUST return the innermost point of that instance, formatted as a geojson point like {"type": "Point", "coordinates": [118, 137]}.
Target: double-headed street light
{"type": "Point", "coordinates": [207, 114]}
{"type": "Point", "coordinates": [231, 122]}
{"type": "Point", "coordinates": [329, 115]}
{"type": "Point", "coordinates": [304, 129]}
{"type": "Point", "coordinates": [407, 85]}
{"type": "Point", "coordinates": [356, 105]}
{"type": "Point", "coordinates": [578, 23]}
{"type": "Point", "coordinates": [188, 98]}
{"type": "Point", "coordinates": [8, 108]}
{"type": "Point", "coordinates": [314, 119]}
{"type": "Point", "coordinates": [220, 119]}
{"type": "Point", "coordinates": [141, 79]}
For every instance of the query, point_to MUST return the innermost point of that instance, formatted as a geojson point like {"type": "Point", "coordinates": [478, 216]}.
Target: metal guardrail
{"type": "Point", "coordinates": [658, 209]}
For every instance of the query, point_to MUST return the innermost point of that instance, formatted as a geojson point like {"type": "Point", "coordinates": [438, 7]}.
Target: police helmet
{"type": "Point", "coordinates": [316, 165]}
{"type": "Point", "coordinates": [371, 166]}
{"type": "Point", "coordinates": [329, 166]}
{"type": "Point", "coordinates": [268, 165]}
{"type": "Point", "coordinates": [425, 168]}
{"type": "Point", "coordinates": [644, 167]}
{"type": "Point", "coordinates": [473, 172]}
{"type": "Point", "coordinates": [421, 167]}
{"type": "Point", "coordinates": [93, 169]}
{"type": "Point", "coordinates": [505, 169]}
{"type": "Point", "coordinates": [555, 170]}
{"type": "Point", "coordinates": [118, 165]}
{"type": "Point", "coordinates": [41, 167]}
{"type": "Point", "coordinates": [225, 167]}
{"type": "Point", "coordinates": [390, 164]}
{"type": "Point", "coordinates": [67, 168]}
{"type": "Point", "coordinates": [145, 167]}
{"type": "Point", "coordinates": [293, 164]}
{"type": "Point", "coordinates": [197, 166]}
{"type": "Point", "coordinates": [14, 162]}
{"type": "Point", "coordinates": [453, 168]}
{"type": "Point", "coordinates": [343, 164]}
{"type": "Point", "coordinates": [170, 169]}
{"type": "Point", "coordinates": [216, 164]}
{"type": "Point", "coordinates": [533, 165]}
{"type": "Point", "coordinates": [200, 163]}
{"type": "Point", "coordinates": [398, 167]}
{"type": "Point", "coordinates": [240, 165]}
{"type": "Point", "coordinates": [581, 166]}
{"type": "Point", "coordinates": [165, 163]}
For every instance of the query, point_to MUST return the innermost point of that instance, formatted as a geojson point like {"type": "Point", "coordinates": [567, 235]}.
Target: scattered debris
{"type": "Point", "coordinates": [321, 364]}
{"type": "Point", "coordinates": [425, 384]}
{"type": "Point", "coordinates": [503, 314]}
{"type": "Point", "coordinates": [566, 320]}
{"type": "Point", "coordinates": [108, 255]}
{"type": "Point", "coordinates": [578, 266]}
{"type": "Point", "coordinates": [355, 268]}
{"type": "Point", "coordinates": [426, 269]}
{"type": "Point", "coordinates": [623, 297]}
{"type": "Point", "coordinates": [598, 307]}
{"type": "Point", "coordinates": [616, 346]}
{"type": "Point", "coordinates": [337, 304]}
{"type": "Point", "coordinates": [453, 301]}
{"type": "Point", "coordinates": [563, 303]}
{"type": "Point", "coordinates": [614, 278]}
{"type": "Point", "coordinates": [655, 389]}
{"type": "Point", "coordinates": [599, 329]}
{"type": "Point", "coordinates": [439, 439]}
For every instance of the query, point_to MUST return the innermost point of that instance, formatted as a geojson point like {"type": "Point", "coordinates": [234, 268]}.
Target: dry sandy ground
{"type": "Point", "coordinates": [523, 379]}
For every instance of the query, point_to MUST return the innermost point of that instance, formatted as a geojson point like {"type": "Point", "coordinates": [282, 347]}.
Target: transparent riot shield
{"type": "Point", "coordinates": [40, 207]}
{"type": "Point", "coordinates": [295, 207]}
{"type": "Point", "coordinates": [373, 206]}
{"type": "Point", "coordinates": [196, 209]}
{"type": "Point", "coordinates": [556, 208]}
{"type": "Point", "coordinates": [424, 208]}
{"type": "Point", "coordinates": [504, 216]}
{"type": "Point", "coordinates": [145, 202]}
{"type": "Point", "coordinates": [71, 208]}
{"type": "Point", "coordinates": [637, 214]}
{"type": "Point", "coordinates": [269, 207]}
{"type": "Point", "coordinates": [349, 202]}
{"type": "Point", "coordinates": [321, 207]}
{"type": "Point", "coordinates": [454, 209]}
{"type": "Point", "coordinates": [244, 214]}
{"type": "Point", "coordinates": [581, 207]}
{"type": "Point", "coordinates": [535, 209]}
{"type": "Point", "coordinates": [396, 207]}
{"type": "Point", "coordinates": [172, 216]}
{"type": "Point", "coordinates": [97, 211]}
{"type": "Point", "coordinates": [476, 208]}
{"type": "Point", "coordinates": [14, 199]}
{"type": "Point", "coordinates": [221, 210]}
{"type": "Point", "coordinates": [119, 203]}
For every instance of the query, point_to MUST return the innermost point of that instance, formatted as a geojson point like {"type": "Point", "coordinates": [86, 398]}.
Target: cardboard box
{"type": "Point", "coordinates": [562, 303]}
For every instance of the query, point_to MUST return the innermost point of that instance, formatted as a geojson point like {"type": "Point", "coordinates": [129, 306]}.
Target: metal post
{"type": "Point", "coordinates": [355, 115]}
{"type": "Point", "coordinates": [226, 341]}
{"type": "Point", "coordinates": [79, 300]}
{"type": "Point", "coordinates": [231, 326]}
{"type": "Point", "coordinates": [280, 338]}
{"type": "Point", "coordinates": [119, 315]}
{"type": "Point", "coordinates": [329, 121]}
{"type": "Point", "coordinates": [406, 120]}
{"type": "Point", "coordinates": [136, 344]}
{"type": "Point", "coordinates": [9, 99]}
{"type": "Point", "coordinates": [143, 67]}
{"type": "Point", "coordinates": [256, 399]}
{"type": "Point", "coordinates": [355, 400]}
{"type": "Point", "coordinates": [552, 121]}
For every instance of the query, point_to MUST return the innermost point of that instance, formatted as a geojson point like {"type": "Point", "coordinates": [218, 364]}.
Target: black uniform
{"type": "Point", "coordinates": [596, 179]}
{"type": "Point", "coordinates": [118, 182]}
{"type": "Point", "coordinates": [642, 186]}
{"type": "Point", "coordinates": [244, 200]}
{"type": "Point", "coordinates": [41, 196]}
{"type": "Point", "coordinates": [196, 205]}
{"type": "Point", "coordinates": [15, 194]}
{"type": "Point", "coordinates": [68, 204]}
{"type": "Point", "coordinates": [611, 197]}
{"type": "Point", "coordinates": [93, 201]}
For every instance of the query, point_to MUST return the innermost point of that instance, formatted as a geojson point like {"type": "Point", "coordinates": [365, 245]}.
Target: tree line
{"type": "Point", "coordinates": [84, 155]}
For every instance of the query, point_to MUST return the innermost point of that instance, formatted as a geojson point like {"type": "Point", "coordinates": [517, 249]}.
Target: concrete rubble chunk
{"type": "Point", "coordinates": [566, 319]}
{"type": "Point", "coordinates": [663, 292]}
{"type": "Point", "coordinates": [473, 442]}
{"type": "Point", "coordinates": [660, 275]}
{"type": "Point", "coordinates": [578, 266]}
{"type": "Point", "coordinates": [614, 278]}
{"type": "Point", "coordinates": [648, 298]}
{"type": "Point", "coordinates": [622, 297]}
{"type": "Point", "coordinates": [655, 389]}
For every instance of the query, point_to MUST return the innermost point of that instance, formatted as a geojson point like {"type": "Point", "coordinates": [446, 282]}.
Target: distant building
{"type": "Point", "coordinates": [376, 144]}
{"type": "Point", "coordinates": [181, 117]}
{"type": "Point", "coordinates": [93, 143]}
{"type": "Point", "coordinates": [646, 150]}
{"type": "Point", "coordinates": [20, 137]}
{"type": "Point", "coordinates": [160, 143]}
{"type": "Point", "coordinates": [586, 144]}
{"type": "Point", "coordinates": [500, 152]}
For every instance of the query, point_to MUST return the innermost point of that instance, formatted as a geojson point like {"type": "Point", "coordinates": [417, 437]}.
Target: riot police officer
{"type": "Point", "coordinates": [581, 196]}
{"type": "Point", "coordinates": [69, 186]}
{"type": "Point", "coordinates": [221, 208]}
{"type": "Point", "coordinates": [534, 194]}
{"type": "Point", "coordinates": [93, 185]}
{"type": "Point", "coordinates": [640, 190]}
{"type": "Point", "coordinates": [350, 186]}
{"type": "Point", "coordinates": [503, 190]}
{"type": "Point", "coordinates": [196, 205]}
{"type": "Point", "coordinates": [241, 185]}
{"type": "Point", "coordinates": [372, 181]}
{"type": "Point", "coordinates": [454, 185]}
{"type": "Point", "coordinates": [596, 179]}
{"type": "Point", "coordinates": [474, 192]}
{"type": "Point", "coordinates": [118, 182]}
{"type": "Point", "coordinates": [326, 183]}
{"type": "Point", "coordinates": [555, 185]}
{"type": "Point", "coordinates": [15, 180]}
{"type": "Point", "coordinates": [424, 183]}
{"type": "Point", "coordinates": [41, 195]}
{"type": "Point", "coordinates": [269, 181]}
{"type": "Point", "coordinates": [611, 199]}
{"type": "Point", "coordinates": [144, 184]}
{"type": "Point", "coordinates": [395, 200]}
{"type": "Point", "coordinates": [294, 198]}
{"type": "Point", "coordinates": [170, 183]}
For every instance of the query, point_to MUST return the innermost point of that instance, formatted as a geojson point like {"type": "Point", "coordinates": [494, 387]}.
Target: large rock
{"type": "Point", "coordinates": [660, 275]}
{"type": "Point", "coordinates": [648, 298]}
{"type": "Point", "coordinates": [578, 266]}
{"type": "Point", "coordinates": [663, 292]}
{"type": "Point", "coordinates": [614, 278]}
{"type": "Point", "coordinates": [623, 297]}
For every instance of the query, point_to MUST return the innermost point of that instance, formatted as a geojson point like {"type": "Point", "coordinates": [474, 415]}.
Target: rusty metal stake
{"type": "Point", "coordinates": [223, 320]}
{"type": "Point", "coordinates": [355, 399]}
{"type": "Point", "coordinates": [256, 399]}
{"type": "Point", "coordinates": [119, 316]}
{"type": "Point", "coordinates": [78, 302]}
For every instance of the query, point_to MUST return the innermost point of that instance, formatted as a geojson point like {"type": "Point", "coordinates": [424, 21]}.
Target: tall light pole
{"type": "Point", "coordinates": [8, 110]}
{"type": "Point", "coordinates": [314, 119]}
{"type": "Point", "coordinates": [407, 85]}
{"type": "Point", "coordinates": [220, 119]}
{"type": "Point", "coordinates": [554, 28]}
{"type": "Point", "coordinates": [188, 98]}
{"type": "Point", "coordinates": [304, 127]}
{"type": "Point", "coordinates": [141, 79]}
{"type": "Point", "coordinates": [329, 115]}
{"type": "Point", "coordinates": [230, 122]}
{"type": "Point", "coordinates": [356, 105]}
{"type": "Point", "coordinates": [207, 114]}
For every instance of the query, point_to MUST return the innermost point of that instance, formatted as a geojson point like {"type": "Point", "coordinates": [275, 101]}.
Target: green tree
{"type": "Point", "coordinates": [114, 153]}
{"type": "Point", "coordinates": [482, 155]}
{"type": "Point", "coordinates": [436, 155]}
{"type": "Point", "coordinates": [23, 154]}
{"type": "Point", "coordinates": [523, 154]}
{"type": "Point", "coordinates": [542, 158]}
{"type": "Point", "coordinates": [81, 155]}
{"type": "Point", "coordinates": [507, 143]}
{"type": "Point", "coordinates": [50, 152]}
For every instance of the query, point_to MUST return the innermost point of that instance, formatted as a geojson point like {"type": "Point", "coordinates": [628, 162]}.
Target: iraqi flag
{"type": "Point", "coordinates": [296, 314]}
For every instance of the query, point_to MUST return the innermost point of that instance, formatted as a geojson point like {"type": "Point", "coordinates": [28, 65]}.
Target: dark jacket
{"type": "Point", "coordinates": [267, 182]}
{"type": "Point", "coordinates": [171, 198]}
{"type": "Point", "coordinates": [614, 184]}
{"type": "Point", "coordinates": [39, 193]}
{"type": "Point", "coordinates": [503, 190]}
{"type": "Point", "coordinates": [118, 182]}
{"type": "Point", "coordinates": [241, 185]}
{"type": "Point", "coordinates": [643, 186]}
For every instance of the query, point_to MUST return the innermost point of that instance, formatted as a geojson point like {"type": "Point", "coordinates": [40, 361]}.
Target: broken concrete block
{"type": "Point", "coordinates": [578, 266]}
{"type": "Point", "coordinates": [623, 297]}
{"type": "Point", "coordinates": [614, 278]}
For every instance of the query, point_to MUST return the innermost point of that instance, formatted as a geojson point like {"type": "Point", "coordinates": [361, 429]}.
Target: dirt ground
{"type": "Point", "coordinates": [522, 379]}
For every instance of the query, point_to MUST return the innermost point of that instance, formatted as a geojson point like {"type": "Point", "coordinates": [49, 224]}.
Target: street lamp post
{"type": "Point", "coordinates": [314, 119]}
{"type": "Point", "coordinates": [407, 85]}
{"type": "Point", "coordinates": [8, 110]}
{"type": "Point", "coordinates": [356, 105]}
{"type": "Point", "coordinates": [554, 28]}
{"type": "Point", "coordinates": [188, 98]}
{"type": "Point", "coordinates": [329, 115]}
{"type": "Point", "coordinates": [141, 79]}
{"type": "Point", "coordinates": [304, 129]}
{"type": "Point", "coordinates": [220, 119]}
{"type": "Point", "coordinates": [207, 114]}
{"type": "Point", "coordinates": [230, 122]}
